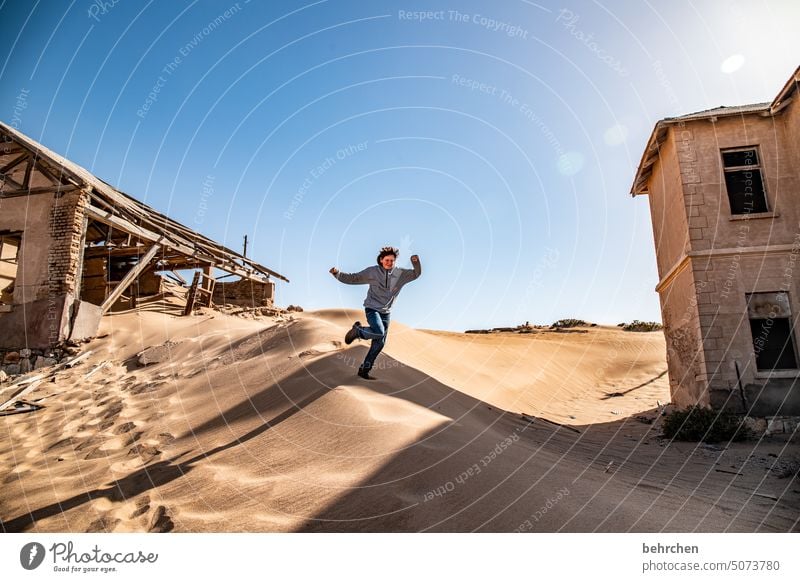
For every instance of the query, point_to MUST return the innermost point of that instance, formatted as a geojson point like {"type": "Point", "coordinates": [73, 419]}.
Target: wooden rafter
{"type": "Point", "coordinates": [21, 190]}
{"type": "Point", "coordinates": [122, 213]}
{"type": "Point", "coordinates": [130, 277]}
{"type": "Point", "coordinates": [14, 163]}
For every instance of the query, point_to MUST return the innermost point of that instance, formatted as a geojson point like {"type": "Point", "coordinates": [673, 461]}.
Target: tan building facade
{"type": "Point", "coordinates": [724, 190]}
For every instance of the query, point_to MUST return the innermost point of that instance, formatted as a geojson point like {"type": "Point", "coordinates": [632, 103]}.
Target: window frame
{"type": "Point", "coordinates": [760, 372]}
{"type": "Point", "coordinates": [17, 236]}
{"type": "Point", "coordinates": [748, 167]}
{"type": "Point", "coordinates": [11, 235]}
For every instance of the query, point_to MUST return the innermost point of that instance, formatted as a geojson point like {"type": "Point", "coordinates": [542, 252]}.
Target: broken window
{"type": "Point", "coordinates": [10, 243]}
{"type": "Point", "coordinates": [771, 327]}
{"type": "Point", "coordinates": [743, 181]}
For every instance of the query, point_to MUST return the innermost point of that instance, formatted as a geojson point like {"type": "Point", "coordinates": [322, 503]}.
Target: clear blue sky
{"type": "Point", "coordinates": [497, 140]}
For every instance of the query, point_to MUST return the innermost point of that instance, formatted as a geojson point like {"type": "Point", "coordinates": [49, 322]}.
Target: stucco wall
{"type": "Point", "coordinates": [728, 340]}
{"type": "Point", "coordinates": [685, 358]}
{"type": "Point", "coordinates": [714, 226]}
{"type": "Point", "coordinates": [26, 213]}
{"type": "Point", "coordinates": [667, 207]}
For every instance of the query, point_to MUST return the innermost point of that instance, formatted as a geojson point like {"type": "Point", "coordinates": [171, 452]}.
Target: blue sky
{"type": "Point", "coordinates": [496, 140]}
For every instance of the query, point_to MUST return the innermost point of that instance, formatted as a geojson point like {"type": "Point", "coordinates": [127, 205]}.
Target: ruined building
{"type": "Point", "coordinates": [72, 247]}
{"type": "Point", "coordinates": [724, 190]}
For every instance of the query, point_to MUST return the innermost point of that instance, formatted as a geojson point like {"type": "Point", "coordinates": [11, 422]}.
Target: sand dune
{"type": "Point", "coordinates": [257, 425]}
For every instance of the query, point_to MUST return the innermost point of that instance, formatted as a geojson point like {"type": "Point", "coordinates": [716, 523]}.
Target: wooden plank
{"type": "Point", "coordinates": [26, 181]}
{"type": "Point", "coordinates": [145, 234]}
{"type": "Point", "coordinates": [6, 180]}
{"type": "Point", "coordinates": [171, 277]}
{"type": "Point", "coordinates": [146, 214]}
{"type": "Point", "coordinates": [130, 228]}
{"type": "Point", "coordinates": [102, 251]}
{"type": "Point", "coordinates": [99, 366]}
{"type": "Point", "coordinates": [46, 172]}
{"type": "Point", "coordinates": [14, 163]}
{"type": "Point", "coordinates": [192, 294]}
{"type": "Point", "coordinates": [130, 277]}
{"type": "Point", "coordinates": [178, 275]}
{"type": "Point", "coordinates": [123, 207]}
{"type": "Point", "coordinates": [22, 191]}
{"type": "Point", "coordinates": [77, 359]}
{"type": "Point", "coordinates": [27, 390]}
{"type": "Point", "coordinates": [26, 407]}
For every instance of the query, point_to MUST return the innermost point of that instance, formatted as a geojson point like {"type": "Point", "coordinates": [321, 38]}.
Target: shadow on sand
{"type": "Point", "coordinates": [433, 485]}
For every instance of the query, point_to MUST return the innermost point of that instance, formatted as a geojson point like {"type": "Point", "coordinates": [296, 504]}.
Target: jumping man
{"type": "Point", "coordinates": [385, 281]}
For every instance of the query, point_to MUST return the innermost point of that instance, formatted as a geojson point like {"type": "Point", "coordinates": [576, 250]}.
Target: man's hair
{"type": "Point", "coordinates": [386, 251]}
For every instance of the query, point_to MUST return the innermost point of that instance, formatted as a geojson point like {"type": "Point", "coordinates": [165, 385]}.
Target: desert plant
{"type": "Point", "coordinates": [569, 323]}
{"type": "Point", "coordinates": [697, 423]}
{"type": "Point", "coordinates": [637, 325]}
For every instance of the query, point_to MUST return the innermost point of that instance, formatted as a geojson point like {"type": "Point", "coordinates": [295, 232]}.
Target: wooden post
{"type": "Point", "coordinates": [192, 294]}
{"type": "Point", "coordinates": [130, 277]}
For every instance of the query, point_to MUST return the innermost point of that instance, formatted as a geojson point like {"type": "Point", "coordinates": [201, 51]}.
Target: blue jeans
{"type": "Point", "coordinates": [377, 330]}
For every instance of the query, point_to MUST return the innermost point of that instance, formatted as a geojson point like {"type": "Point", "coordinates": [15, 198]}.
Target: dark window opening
{"type": "Point", "coordinates": [119, 267]}
{"type": "Point", "coordinates": [10, 244]}
{"type": "Point", "coordinates": [771, 329]}
{"type": "Point", "coordinates": [773, 344]}
{"type": "Point", "coordinates": [743, 181]}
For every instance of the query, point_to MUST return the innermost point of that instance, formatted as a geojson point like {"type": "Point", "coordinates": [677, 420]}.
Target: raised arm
{"type": "Point", "coordinates": [409, 275]}
{"type": "Point", "coordinates": [360, 278]}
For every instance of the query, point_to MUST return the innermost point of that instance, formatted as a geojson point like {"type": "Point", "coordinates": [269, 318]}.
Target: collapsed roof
{"type": "Point", "coordinates": [27, 167]}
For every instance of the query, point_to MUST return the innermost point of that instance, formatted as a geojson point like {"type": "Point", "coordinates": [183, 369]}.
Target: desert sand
{"type": "Point", "coordinates": [260, 424]}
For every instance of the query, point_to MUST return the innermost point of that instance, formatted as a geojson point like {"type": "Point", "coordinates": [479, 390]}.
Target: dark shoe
{"type": "Point", "coordinates": [352, 333]}
{"type": "Point", "coordinates": [364, 373]}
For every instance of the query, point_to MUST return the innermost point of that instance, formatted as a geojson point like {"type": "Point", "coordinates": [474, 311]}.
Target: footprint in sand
{"type": "Point", "coordinates": [125, 467]}
{"type": "Point", "coordinates": [124, 428]}
{"type": "Point", "coordinates": [145, 452]}
{"type": "Point", "coordinates": [166, 438]}
{"type": "Point", "coordinates": [319, 349]}
{"type": "Point", "coordinates": [12, 477]}
{"type": "Point", "coordinates": [142, 507]}
{"type": "Point", "coordinates": [161, 521]}
{"type": "Point", "coordinates": [120, 442]}
{"type": "Point", "coordinates": [112, 412]}
{"type": "Point", "coordinates": [145, 387]}
{"type": "Point", "coordinates": [103, 525]}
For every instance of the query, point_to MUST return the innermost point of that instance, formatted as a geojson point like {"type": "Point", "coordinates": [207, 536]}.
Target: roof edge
{"type": "Point", "coordinates": [639, 185]}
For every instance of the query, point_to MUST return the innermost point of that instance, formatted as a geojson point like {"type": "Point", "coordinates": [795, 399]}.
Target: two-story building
{"type": "Point", "coordinates": [724, 190]}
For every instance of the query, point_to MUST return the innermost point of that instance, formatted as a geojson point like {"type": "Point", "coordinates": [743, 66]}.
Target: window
{"type": "Point", "coordinates": [743, 181]}
{"type": "Point", "coordinates": [9, 260]}
{"type": "Point", "coordinates": [771, 327]}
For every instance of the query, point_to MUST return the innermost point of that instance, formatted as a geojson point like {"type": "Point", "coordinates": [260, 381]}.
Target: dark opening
{"type": "Point", "coordinates": [732, 159]}
{"type": "Point", "coordinates": [743, 182]}
{"type": "Point", "coordinates": [773, 344]}
{"type": "Point", "coordinates": [745, 191]}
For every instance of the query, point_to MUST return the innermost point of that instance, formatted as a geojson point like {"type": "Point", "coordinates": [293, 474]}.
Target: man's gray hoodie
{"type": "Point", "coordinates": [384, 285]}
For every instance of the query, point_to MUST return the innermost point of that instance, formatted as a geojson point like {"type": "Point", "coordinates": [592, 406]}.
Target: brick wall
{"type": "Point", "coordinates": [244, 293]}
{"type": "Point", "coordinates": [67, 235]}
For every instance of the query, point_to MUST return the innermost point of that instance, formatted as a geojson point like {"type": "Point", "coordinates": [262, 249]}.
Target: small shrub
{"type": "Point", "coordinates": [569, 323]}
{"type": "Point", "coordinates": [637, 325]}
{"type": "Point", "coordinates": [704, 424]}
